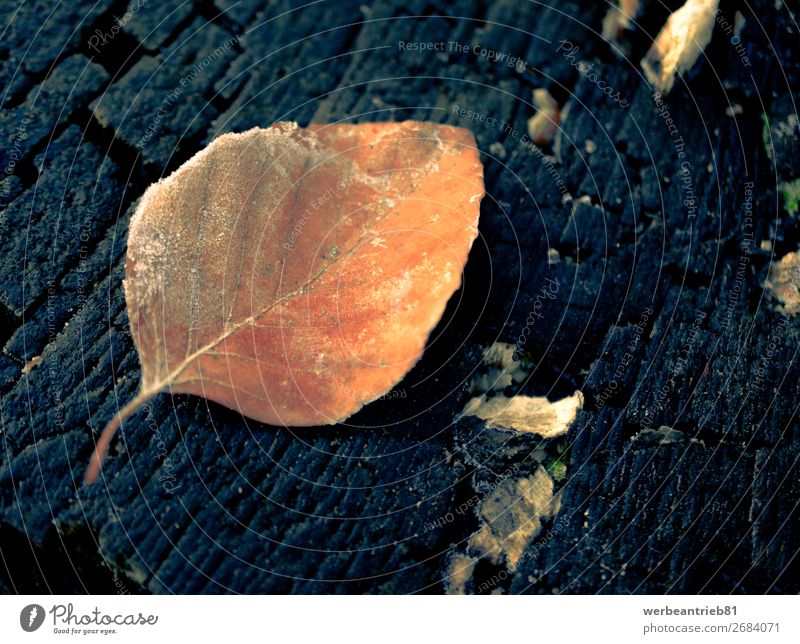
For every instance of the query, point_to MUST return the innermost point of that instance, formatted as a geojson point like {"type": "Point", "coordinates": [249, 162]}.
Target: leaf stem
{"type": "Point", "coordinates": [101, 446]}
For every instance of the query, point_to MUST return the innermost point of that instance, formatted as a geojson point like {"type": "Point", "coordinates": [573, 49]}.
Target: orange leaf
{"type": "Point", "coordinates": [295, 274]}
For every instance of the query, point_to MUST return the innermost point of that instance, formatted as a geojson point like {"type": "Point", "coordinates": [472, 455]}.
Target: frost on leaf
{"type": "Point", "coordinates": [680, 42]}
{"type": "Point", "coordinates": [294, 274]}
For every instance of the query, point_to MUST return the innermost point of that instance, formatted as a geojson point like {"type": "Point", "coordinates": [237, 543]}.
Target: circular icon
{"type": "Point", "coordinates": [31, 617]}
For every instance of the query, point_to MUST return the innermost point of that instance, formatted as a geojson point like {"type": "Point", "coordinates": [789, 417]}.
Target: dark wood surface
{"type": "Point", "coordinates": [197, 499]}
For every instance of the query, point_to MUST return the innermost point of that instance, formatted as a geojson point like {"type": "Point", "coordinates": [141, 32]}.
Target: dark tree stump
{"type": "Point", "coordinates": [197, 499]}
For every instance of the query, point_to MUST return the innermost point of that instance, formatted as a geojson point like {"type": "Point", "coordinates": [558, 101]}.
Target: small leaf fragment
{"type": "Point", "coordinates": [543, 126]}
{"type": "Point", "coordinates": [680, 42]}
{"type": "Point", "coordinates": [783, 283]}
{"type": "Point", "coordinates": [512, 515]}
{"type": "Point", "coordinates": [527, 414]}
{"type": "Point", "coordinates": [618, 19]}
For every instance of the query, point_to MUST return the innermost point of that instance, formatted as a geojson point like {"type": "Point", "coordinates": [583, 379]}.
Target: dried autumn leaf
{"type": "Point", "coordinates": [295, 274]}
